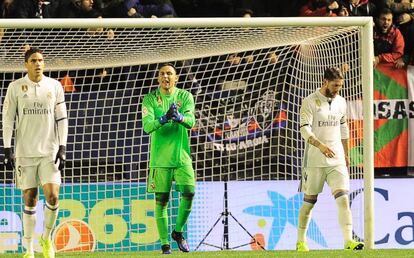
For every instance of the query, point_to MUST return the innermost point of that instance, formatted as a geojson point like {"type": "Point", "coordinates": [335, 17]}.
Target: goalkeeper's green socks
{"type": "Point", "coordinates": [184, 210]}
{"type": "Point", "coordinates": [161, 217]}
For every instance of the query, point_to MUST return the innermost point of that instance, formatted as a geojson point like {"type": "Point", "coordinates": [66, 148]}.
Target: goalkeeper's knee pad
{"type": "Point", "coordinates": [188, 196]}
{"type": "Point", "coordinates": [162, 198]}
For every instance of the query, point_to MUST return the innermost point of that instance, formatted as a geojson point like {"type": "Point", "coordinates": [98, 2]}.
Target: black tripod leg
{"type": "Point", "coordinates": [258, 243]}
{"type": "Point", "coordinates": [208, 233]}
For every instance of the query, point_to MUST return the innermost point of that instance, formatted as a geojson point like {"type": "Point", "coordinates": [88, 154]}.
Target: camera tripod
{"type": "Point", "coordinates": [224, 217]}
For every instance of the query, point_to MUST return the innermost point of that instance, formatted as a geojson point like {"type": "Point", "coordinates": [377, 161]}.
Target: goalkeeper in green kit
{"type": "Point", "coordinates": [167, 115]}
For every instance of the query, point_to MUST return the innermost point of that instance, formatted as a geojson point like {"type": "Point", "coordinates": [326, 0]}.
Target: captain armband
{"type": "Point", "coordinates": [344, 131]}
{"type": "Point", "coordinates": [60, 111]}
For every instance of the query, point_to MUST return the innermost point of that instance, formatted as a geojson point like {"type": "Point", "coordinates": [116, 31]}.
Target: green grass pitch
{"type": "Point", "coordinates": [382, 253]}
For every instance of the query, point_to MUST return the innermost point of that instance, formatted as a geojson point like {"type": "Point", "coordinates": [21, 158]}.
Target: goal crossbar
{"type": "Point", "coordinates": [184, 22]}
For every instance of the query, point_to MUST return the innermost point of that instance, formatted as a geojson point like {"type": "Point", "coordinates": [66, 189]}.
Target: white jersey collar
{"type": "Point", "coordinates": [320, 95]}
{"type": "Point", "coordinates": [32, 83]}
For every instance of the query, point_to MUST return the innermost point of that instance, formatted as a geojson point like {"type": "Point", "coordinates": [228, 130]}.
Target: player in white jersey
{"type": "Point", "coordinates": [324, 127]}
{"type": "Point", "coordinates": [36, 104]}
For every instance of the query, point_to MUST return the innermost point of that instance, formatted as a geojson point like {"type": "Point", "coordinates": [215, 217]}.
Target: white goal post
{"type": "Point", "coordinates": [242, 72]}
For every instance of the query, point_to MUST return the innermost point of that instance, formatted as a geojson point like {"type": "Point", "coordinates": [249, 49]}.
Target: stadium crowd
{"type": "Point", "coordinates": [393, 36]}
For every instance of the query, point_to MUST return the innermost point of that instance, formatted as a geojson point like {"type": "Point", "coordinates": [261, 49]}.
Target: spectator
{"type": "Point", "coordinates": [118, 8]}
{"type": "Point", "coordinates": [359, 7]}
{"type": "Point", "coordinates": [400, 6]}
{"type": "Point", "coordinates": [244, 12]}
{"type": "Point", "coordinates": [320, 8]}
{"type": "Point", "coordinates": [404, 14]}
{"type": "Point", "coordinates": [34, 9]}
{"type": "Point", "coordinates": [140, 9]}
{"type": "Point", "coordinates": [162, 10]}
{"type": "Point", "coordinates": [79, 9]}
{"type": "Point", "coordinates": [407, 31]}
{"type": "Point", "coordinates": [8, 9]}
{"type": "Point", "coordinates": [388, 40]}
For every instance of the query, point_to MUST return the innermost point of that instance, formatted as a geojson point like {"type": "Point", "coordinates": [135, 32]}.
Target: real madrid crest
{"type": "Point", "coordinates": [318, 102]}
{"type": "Point", "coordinates": [144, 111]}
{"type": "Point", "coordinates": [49, 95]}
{"type": "Point", "coordinates": [24, 88]}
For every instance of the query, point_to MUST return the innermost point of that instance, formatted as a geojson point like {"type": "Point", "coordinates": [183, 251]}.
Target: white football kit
{"type": "Point", "coordinates": [325, 119]}
{"type": "Point", "coordinates": [39, 113]}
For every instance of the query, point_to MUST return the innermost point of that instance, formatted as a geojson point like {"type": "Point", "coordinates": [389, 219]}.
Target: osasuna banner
{"type": "Point", "coordinates": [394, 114]}
{"type": "Point", "coordinates": [394, 118]}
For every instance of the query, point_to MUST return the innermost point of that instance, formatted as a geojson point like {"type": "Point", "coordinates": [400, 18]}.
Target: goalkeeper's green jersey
{"type": "Point", "coordinates": [170, 143]}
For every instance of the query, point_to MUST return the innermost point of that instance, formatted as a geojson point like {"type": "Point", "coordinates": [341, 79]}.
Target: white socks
{"type": "Point", "coordinates": [50, 213]}
{"type": "Point", "coordinates": [344, 216]}
{"type": "Point", "coordinates": [29, 224]}
{"type": "Point", "coordinates": [304, 218]}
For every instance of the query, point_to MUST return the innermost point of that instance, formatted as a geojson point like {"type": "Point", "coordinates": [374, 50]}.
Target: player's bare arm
{"type": "Point", "coordinates": [321, 146]}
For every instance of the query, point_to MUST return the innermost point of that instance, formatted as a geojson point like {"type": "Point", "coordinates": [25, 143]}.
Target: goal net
{"type": "Point", "coordinates": [248, 78]}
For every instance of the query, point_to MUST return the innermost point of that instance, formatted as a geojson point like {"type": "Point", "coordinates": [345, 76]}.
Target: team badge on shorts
{"type": "Point", "coordinates": [24, 88]}
{"type": "Point", "coordinates": [144, 111]}
{"type": "Point", "coordinates": [152, 186]}
{"type": "Point", "coordinates": [18, 178]}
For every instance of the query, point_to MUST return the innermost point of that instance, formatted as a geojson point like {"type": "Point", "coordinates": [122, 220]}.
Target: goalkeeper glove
{"type": "Point", "coordinates": [8, 158]}
{"type": "Point", "coordinates": [171, 111]}
{"type": "Point", "coordinates": [164, 119]}
{"type": "Point", "coordinates": [61, 157]}
{"type": "Point", "coordinates": [177, 117]}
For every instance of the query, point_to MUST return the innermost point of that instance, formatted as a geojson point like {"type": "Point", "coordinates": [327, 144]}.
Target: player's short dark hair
{"type": "Point", "coordinates": [168, 64]}
{"type": "Point", "coordinates": [333, 73]}
{"type": "Point", "coordinates": [30, 52]}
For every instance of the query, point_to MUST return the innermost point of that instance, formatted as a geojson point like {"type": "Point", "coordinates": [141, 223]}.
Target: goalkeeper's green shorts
{"type": "Point", "coordinates": [160, 179]}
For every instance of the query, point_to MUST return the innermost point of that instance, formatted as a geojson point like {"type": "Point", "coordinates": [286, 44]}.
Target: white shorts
{"type": "Point", "coordinates": [32, 172]}
{"type": "Point", "coordinates": [313, 179]}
